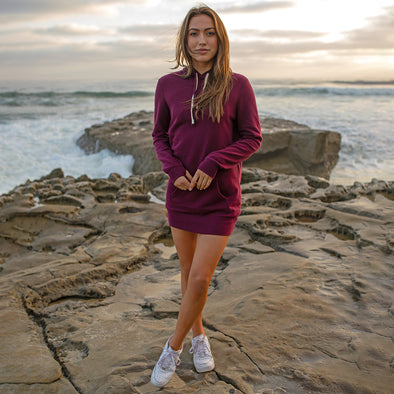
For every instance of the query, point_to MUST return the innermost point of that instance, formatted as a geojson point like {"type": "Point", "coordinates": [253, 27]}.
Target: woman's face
{"type": "Point", "coordinates": [202, 42]}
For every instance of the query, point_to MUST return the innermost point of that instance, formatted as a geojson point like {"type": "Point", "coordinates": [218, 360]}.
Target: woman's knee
{"type": "Point", "coordinates": [198, 284]}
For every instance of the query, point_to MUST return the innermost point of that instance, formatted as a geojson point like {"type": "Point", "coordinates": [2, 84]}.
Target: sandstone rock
{"type": "Point", "coordinates": [129, 135]}
{"type": "Point", "coordinates": [291, 148]}
{"type": "Point", "coordinates": [288, 147]}
{"type": "Point", "coordinates": [24, 355]}
{"type": "Point", "coordinates": [54, 174]}
{"type": "Point", "coordinates": [300, 301]}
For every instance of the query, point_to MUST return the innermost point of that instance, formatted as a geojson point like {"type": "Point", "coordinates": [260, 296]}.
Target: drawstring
{"type": "Point", "coordinates": [195, 90]}
{"type": "Point", "coordinates": [192, 101]}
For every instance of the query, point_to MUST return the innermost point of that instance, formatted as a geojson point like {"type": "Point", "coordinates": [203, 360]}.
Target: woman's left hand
{"type": "Point", "coordinates": [201, 180]}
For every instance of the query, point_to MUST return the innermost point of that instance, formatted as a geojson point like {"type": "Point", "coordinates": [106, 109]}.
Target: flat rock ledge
{"type": "Point", "coordinates": [288, 147]}
{"type": "Point", "coordinates": [301, 301]}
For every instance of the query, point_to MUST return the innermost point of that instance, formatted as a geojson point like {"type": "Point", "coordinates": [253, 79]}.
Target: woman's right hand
{"type": "Point", "coordinates": [183, 182]}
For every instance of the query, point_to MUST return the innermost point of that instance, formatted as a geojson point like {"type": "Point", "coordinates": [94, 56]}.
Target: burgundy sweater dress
{"type": "Point", "coordinates": [183, 142]}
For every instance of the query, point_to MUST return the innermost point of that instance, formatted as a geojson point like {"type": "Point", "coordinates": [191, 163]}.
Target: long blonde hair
{"type": "Point", "coordinates": [220, 81]}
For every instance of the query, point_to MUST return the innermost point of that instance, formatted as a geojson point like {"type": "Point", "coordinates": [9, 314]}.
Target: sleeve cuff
{"type": "Point", "coordinates": [209, 167]}
{"type": "Point", "coordinates": [175, 173]}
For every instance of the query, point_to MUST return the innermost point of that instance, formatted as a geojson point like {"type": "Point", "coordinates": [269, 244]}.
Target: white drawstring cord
{"type": "Point", "coordinates": [192, 101]}
{"type": "Point", "coordinates": [195, 90]}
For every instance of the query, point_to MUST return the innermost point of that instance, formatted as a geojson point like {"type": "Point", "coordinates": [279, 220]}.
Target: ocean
{"type": "Point", "coordinates": [41, 121]}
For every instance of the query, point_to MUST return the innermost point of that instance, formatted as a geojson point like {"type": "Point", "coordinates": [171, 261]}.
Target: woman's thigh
{"type": "Point", "coordinates": [185, 244]}
{"type": "Point", "coordinates": [209, 249]}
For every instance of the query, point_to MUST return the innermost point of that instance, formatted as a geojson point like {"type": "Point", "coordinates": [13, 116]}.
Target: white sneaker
{"type": "Point", "coordinates": [202, 356]}
{"type": "Point", "coordinates": [165, 366]}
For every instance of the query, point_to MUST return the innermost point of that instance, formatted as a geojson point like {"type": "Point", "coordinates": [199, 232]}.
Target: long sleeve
{"type": "Point", "coordinates": [250, 138]}
{"type": "Point", "coordinates": [170, 164]}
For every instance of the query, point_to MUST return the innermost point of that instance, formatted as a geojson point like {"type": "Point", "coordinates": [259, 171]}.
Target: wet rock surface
{"type": "Point", "coordinates": [301, 302]}
{"type": "Point", "coordinates": [288, 147]}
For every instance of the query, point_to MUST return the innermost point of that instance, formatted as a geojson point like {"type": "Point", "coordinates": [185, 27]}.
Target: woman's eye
{"type": "Point", "coordinates": [211, 33]}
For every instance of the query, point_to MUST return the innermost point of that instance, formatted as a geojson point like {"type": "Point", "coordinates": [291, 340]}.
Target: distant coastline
{"type": "Point", "coordinates": [362, 82]}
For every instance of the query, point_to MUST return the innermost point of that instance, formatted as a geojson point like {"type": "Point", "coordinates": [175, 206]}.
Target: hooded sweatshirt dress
{"type": "Point", "coordinates": [184, 141]}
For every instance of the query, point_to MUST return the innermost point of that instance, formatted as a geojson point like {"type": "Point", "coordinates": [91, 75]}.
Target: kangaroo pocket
{"type": "Point", "coordinates": [222, 196]}
{"type": "Point", "coordinates": [228, 182]}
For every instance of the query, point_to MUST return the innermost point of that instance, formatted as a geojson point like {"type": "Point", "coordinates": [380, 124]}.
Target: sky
{"type": "Point", "coordinates": [131, 39]}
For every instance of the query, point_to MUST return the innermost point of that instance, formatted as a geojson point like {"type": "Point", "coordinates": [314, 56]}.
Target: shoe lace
{"type": "Point", "coordinates": [169, 359]}
{"type": "Point", "coordinates": [200, 348]}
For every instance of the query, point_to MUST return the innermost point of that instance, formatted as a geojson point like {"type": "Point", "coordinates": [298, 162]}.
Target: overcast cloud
{"type": "Point", "coordinates": [73, 30]}
{"type": "Point", "coordinates": [43, 8]}
{"type": "Point", "coordinates": [378, 34]}
{"type": "Point", "coordinates": [46, 39]}
{"type": "Point", "coordinates": [261, 6]}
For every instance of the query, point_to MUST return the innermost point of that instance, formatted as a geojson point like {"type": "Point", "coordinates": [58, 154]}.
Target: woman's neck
{"type": "Point", "coordinates": [202, 68]}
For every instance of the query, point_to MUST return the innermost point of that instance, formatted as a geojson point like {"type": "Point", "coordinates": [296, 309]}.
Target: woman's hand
{"type": "Point", "coordinates": [201, 180]}
{"type": "Point", "coordinates": [183, 182]}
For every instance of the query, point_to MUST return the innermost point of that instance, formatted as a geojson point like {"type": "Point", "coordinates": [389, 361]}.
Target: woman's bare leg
{"type": "Point", "coordinates": [206, 256]}
{"type": "Point", "coordinates": [185, 243]}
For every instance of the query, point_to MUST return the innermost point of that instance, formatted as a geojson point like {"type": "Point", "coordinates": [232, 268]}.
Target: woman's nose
{"type": "Point", "coordinates": [202, 39]}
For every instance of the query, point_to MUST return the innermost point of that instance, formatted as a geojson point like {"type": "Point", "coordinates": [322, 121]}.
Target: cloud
{"type": "Point", "coordinates": [278, 34]}
{"type": "Point", "coordinates": [142, 50]}
{"type": "Point", "coordinates": [378, 34]}
{"type": "Point", "coordinates": [73, 30]}
{"type": "Point", "coordinates": [110, 60]}
{"type": "Point", "coordinates": [262, 6]}
{"type": "Point", "coordinates": [88, 53]}
{"type": "Point", "coordinates": [292, 34]}
{"type": "Point", "coordinates": [16, 7]}
{"type": "Point", "coordinates": [360, 53]}
{"type": "Point", "coordinates": [129, 49]}
{"type": "Point", "coordinates": [153, 31]}
{"type": "Point", "coordinates": [21, 38]}
{"type": "Point", "coordinates": [42, 8]}
{"type": "Point", "coordinates": [263, 48]}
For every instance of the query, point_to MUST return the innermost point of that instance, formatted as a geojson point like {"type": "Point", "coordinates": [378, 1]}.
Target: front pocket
{"type": "Point", "coordinates": [228, 182]}
{"type": "Point", "coordinates": [223, 195]}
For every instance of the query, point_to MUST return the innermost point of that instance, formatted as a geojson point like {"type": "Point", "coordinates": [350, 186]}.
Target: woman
{"type": "Point", "coordinates": [206, 124]}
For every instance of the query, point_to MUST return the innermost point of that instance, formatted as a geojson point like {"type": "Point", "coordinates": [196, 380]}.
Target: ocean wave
{"type": "Point", "coordinates": [133, 93]}
{"type": "Point", "coordinates": [50, 98]}
{"type": "Point", "coordinates": [362, 82]}
{"type": "Point", "coordinates": [324, 91]}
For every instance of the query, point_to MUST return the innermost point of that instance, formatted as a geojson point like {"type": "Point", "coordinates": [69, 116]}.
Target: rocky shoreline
{"type": "Point", "coordinates": [288, 147]}
{"type": "Point", "coordinates": [301, 302]}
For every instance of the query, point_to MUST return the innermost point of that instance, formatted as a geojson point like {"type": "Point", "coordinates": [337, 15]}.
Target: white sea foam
{"type": "Point", "coordinates": [39, 129]}
{"type": "Point", "coordinates": [31, 149]}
